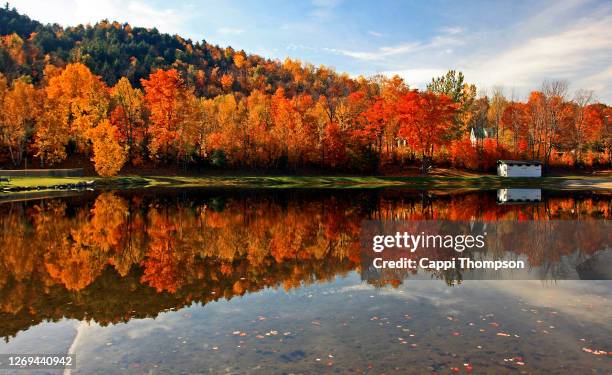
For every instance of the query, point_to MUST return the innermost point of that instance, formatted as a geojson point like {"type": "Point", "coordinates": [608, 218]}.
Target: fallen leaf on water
{"type": "Point", "coordinates": [595, 351]}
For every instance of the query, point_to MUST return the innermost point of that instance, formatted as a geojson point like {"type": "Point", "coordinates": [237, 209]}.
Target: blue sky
{"type": "Point", "coordinates": [512, 44]}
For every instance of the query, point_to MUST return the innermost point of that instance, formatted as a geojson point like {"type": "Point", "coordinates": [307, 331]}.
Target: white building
{"type": "Point", "coordinates": [519, 195]}
{"type": "Point", "coordinates": [519, 168]}
{"type": "Point", "coordinates": [478, 135]}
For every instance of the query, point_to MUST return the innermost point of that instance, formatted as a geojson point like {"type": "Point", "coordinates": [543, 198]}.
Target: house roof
{"type": "Point", "coordinates": [482, 133]}
{"type": "Point", "coordinates": [519, 162]}
{"type": "Point", "coordinates": [479, 132]}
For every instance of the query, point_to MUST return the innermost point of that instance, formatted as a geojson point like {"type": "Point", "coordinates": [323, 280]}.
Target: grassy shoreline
{"type": "Point", "coordinates": [313, 182]}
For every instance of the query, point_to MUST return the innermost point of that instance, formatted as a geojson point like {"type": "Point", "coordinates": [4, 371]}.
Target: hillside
{"type": "Point", "coordinates": [112, 50]}
{"type": "Point", "coordinates": [133, 99]}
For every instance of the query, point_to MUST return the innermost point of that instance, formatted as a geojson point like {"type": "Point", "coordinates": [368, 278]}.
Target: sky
{"type": "Point", "coordinates": [515, 45]}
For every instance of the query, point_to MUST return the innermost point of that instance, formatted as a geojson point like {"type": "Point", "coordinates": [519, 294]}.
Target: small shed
{"type": "Point", "coordinates": [519, 168]}
{"type": "Point", "coordinates": [508, 196]}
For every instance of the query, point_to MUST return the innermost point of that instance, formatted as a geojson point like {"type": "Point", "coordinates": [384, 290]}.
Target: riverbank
{"type": "Point", "coordinates": [20, 184]}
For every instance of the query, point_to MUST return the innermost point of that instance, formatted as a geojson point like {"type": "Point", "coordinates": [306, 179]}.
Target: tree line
{"type": "Point", "coordinates": [65, 92]}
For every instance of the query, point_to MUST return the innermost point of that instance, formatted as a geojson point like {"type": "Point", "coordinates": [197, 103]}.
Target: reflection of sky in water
{"type": "Point", "coordinates": [342, 326]}
{"type": "Point", "coordinates": [349, 326]}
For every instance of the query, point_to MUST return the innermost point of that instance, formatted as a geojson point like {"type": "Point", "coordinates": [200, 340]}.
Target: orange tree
{"type": "Point", "coordinates": [425, 122]}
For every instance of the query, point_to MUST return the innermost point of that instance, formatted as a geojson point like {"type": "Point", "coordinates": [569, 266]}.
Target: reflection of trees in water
{"type": "Point", "coordinates": [123, 256]}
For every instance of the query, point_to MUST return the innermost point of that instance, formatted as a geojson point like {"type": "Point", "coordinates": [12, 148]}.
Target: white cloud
{"type": "Point", "coordinates": [378, 54]}
{"type": "Point", "coordinates": [375, 33]}
{"type": "Point", "coordinates": [556, 296]}
{"type": "Point", "coordinates": [385, 52]}
{"type": "Point", "coordinates": [135, 12]}
{"type": "Point", "coordinates": [576, 53]}
{"type": "Point", "coordinates": [452, 30]}
{"type": "Point", "coordinates": [568, 40]}
{"type": "Point", "coordinates": [230, 31]}
{"type": "Point", "coordinates": [323, 9]}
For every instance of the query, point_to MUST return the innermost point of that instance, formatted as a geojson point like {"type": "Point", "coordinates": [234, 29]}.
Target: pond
{"type": "Point", "coordinates": [270, 282]}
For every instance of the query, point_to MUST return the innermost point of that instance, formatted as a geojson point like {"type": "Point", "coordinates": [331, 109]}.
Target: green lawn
{"type": "Point", "coordinates": [425, 182]}
{"type": "Point", "coordinates": [43, 181]}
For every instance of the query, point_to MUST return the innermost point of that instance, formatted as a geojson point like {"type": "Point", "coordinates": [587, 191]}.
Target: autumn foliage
{"type": "Point", "coordinates": [108, 155]}
{"type": "Point", "coordinates": [115, 256]}
{"type": "Point", "coordinates": [201, 106]}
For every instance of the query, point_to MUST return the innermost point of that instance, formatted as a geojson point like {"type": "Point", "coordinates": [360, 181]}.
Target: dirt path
{"type": "Point", "coordinates": [599, 184]}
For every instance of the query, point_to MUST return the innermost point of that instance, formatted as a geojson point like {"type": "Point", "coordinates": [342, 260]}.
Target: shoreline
{"type": "Point", "coordinates": [53, 184]}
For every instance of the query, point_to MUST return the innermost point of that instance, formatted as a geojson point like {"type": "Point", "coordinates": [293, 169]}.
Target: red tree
{"type": "Point", "coordinates": [425, 122]}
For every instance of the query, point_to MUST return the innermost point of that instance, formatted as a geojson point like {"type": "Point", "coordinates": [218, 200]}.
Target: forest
{"type": "Point", "coordinates": [124, 96]}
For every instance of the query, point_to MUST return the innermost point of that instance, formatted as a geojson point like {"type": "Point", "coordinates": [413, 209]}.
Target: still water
{"type": "Point", "coordinates": [270, 282]}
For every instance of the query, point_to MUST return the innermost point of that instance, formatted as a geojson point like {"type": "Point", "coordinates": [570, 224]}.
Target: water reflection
{"type": "Point", "coordinates": [519, 195]}
{"type": "Point", "coordinates": [126, 256]}
{"type": "Point", "coordinates": [120, 251]}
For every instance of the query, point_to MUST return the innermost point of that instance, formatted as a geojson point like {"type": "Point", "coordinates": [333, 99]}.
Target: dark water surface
{"type": "Point", "coordinates": [270, 282]}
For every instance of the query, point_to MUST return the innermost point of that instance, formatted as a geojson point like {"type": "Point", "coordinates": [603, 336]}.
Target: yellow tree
{"type": "Point", "coordinates": [51, 136]}
{"type": "Point", "coordinates": [127, 114]}
{"type": "Point", "coordinates": [81, 99]}
{"type": "Point", "coordinates": [108, 155]}
{"type": "Point", "coordinates": [20, 111]}
{"type": "Point", "coordinates": [257, 129]}
{"type": "Point", "coordinates": [228, 116]}
{"type": "Point", "coordinates": [3, 91]}
{"type": "Point", "coordinates": [199, 124]}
